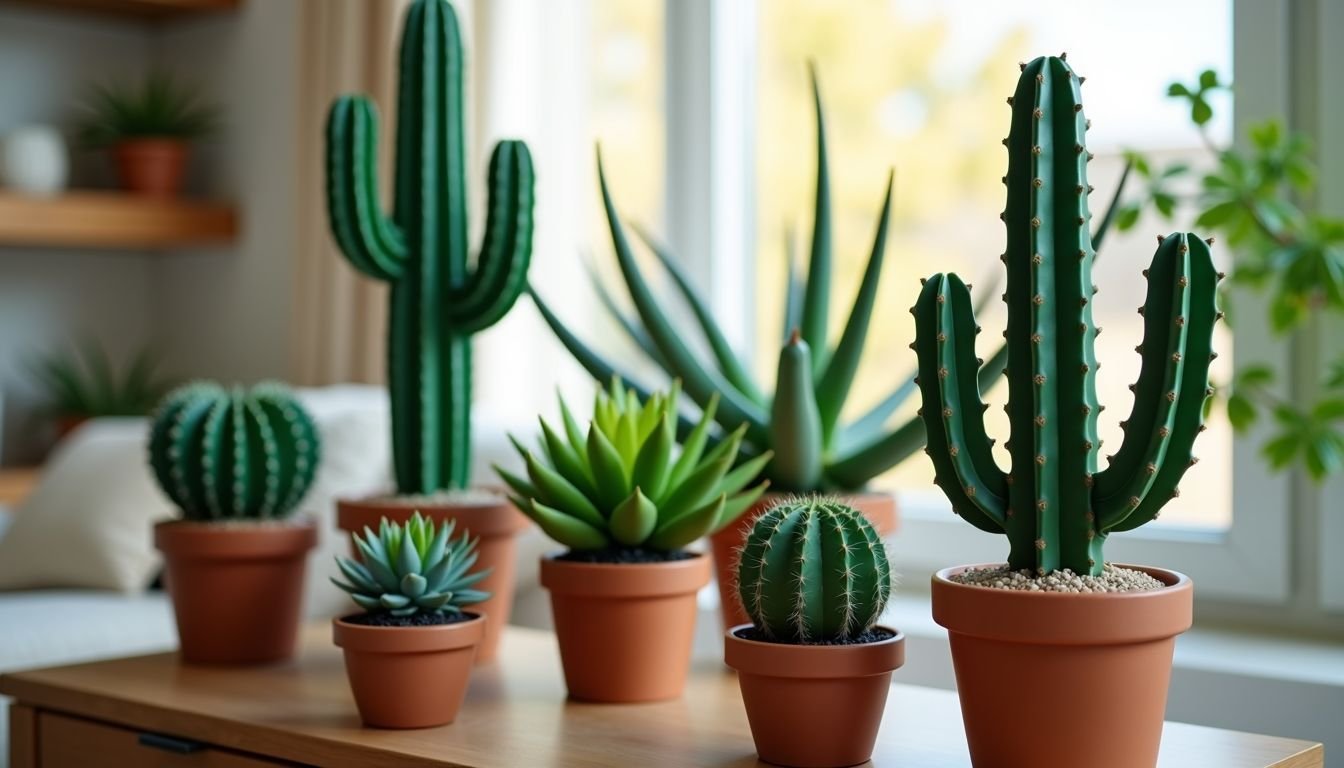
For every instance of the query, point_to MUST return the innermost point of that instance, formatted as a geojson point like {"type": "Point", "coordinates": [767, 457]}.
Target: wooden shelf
{"type": "Point", "coordinates": [151, 10]}
{"type": "Point", "coordinates": [113, 220]}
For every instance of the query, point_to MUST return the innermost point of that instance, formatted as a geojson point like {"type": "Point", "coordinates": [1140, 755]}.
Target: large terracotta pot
{"type": "Point", "coordinates": [497, 525]}
{"type": "Point", "coordinates": [1020, 654]}
{"type": "Point", "coordinates": [409, 677]}
{"type": "Point", "coordinates": [625, 630]}
{"type": "Point", "coordinates": [151, 167]}
{"type": "Point", "coordinates": [879, 508]}
{"type": "Point", "coordinates": [814, 706]}
{"type": "Point", "coordinates": [237, 588]}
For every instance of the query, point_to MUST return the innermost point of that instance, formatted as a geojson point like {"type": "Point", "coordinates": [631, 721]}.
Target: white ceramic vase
{"type": "Point", "coordinates": [34, 161]}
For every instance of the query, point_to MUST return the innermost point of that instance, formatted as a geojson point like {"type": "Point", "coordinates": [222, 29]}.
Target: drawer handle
{"type": "Point", "coordinates": [170, 743]}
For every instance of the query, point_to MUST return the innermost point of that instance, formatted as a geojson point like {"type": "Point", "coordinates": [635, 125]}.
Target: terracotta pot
{"type": "Point", "coordinates": [237, 588]}
{"type": "Point", "coordinates": [625, 630]}
{"type": "Point", "coordinates": [409, 677]}
{"type": "Point", "coordinates": [66, 425]}
{"type": "Point", "coordinates": [497, 525]}
{"type": "Point", "coordinates": [1017, 655]}
{"type": "Point", "coordinates": [151, 167]}
{"type": "Point", "coordinates": [879, 508]}
{"type": "Point", "coordinates": [814, 706]}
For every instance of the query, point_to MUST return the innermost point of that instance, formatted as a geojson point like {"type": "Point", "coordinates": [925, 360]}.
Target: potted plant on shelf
{"type": "Point", "coordinates": [149, 131]}
{"type": "Point", "coordinates": [438, 300]}
{"type": "Point", "coordinates": [814, 451]}
{"type": "Point", "coordinates": [82, 385]}
{"type": "Point", "coordinates": [1057, 622]}
{"type": "Point", "coordinates": [237, 463]}
{"type": "Point", "coordinates": [626, 503]}
{"type": "Point", "coordinates": [409, 655]}
{"type": "Point", "coordinates": [813, 665]}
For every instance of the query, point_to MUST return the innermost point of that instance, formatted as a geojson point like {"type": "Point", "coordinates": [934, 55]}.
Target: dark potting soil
{"type": "Point", "coordinates": [874, 635]}
{"type": "Point", "coordinates": [416, 620]}
{"type": "Point", "coordinates": [624, 556]}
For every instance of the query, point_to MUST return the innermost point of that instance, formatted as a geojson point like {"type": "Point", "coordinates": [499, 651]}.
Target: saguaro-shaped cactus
{"type": "Point", "coordinates": [439, 297]}
{"type": "Point", "coordinates": [1054, 505]}
{"type": "Point", "coordinates": [813, 570]}
{"type": "Point", "coordinates": [222, 453]}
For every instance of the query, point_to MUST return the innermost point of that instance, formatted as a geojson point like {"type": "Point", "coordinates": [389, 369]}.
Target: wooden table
{"type": "Point", "coordinates": [99, 714]}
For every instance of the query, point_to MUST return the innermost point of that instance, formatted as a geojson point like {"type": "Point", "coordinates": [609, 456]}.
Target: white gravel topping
{"type": "Point", "coordinates": [1112, 579]}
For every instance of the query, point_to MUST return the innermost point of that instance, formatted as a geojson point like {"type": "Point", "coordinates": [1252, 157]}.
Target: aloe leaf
{"type": "Point", "coordinates": [699, 382]}
{"type": "Point", "coordinates": [413, 585]}
{"type": "Point", "coordinates": [692, 447]}
{"type": "Point", "coordinates": [569, 531]}
{"type": "Point", "coordinates": [676, 533]}
{"type": "Point", "coordinates": [633, 519]}
{"type": "Point", "coordinates": [392, 601]}
{"type": "Point", "coordinates": [744, 473]}
{"type": "Point", "coordinates": [637, 334]}
{"type": "Point", "coordinates": [817, 291]}
{"type": "Point", "coordinates": [433, 602]}
{"type": "Point", "coordinates": [555, 491]}
{"type": "Point", "coordinates": [735, 506]}
{"type": "Point", "coordinates": [570, 464]}
{"type": "Point", "coordinates": [700, 485]}
{"type": "Point", "coordinates": [729, 364]}
{"type": "Point", "coordinates": [793, 286]}
{"type": "Point", "coordinates": [653, 465]}
{"type": "Point", "coordinates": [358, 575]}
{"type": "Point", "coordinates": [608, 472]}
{"type": "Point", "coordinates": [519, 485]}
{"type": "Point", "coordinates": [366, 602]}
{"type": "Point", "coordinates": [408, 560]}
{"type": "Point", "coordinates": [833, 385]}
{"type": "Point", "coordinates": [853, 470]}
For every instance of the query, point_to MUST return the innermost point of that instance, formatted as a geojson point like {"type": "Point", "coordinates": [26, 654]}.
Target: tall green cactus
{"type": "Point", "coordinates": [1054, 505]}
{"type": "Point", "coordinates": [813, 569]}
{"type": "Point", "coordinates": [228, 453]}
{"type": "Point", "coordinates": [439, 299]}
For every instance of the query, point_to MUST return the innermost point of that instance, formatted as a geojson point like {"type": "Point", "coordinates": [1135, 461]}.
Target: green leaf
{"type": "Point", "coordinates": [569, 531]}
{"type": "Point", "coordinates": [608, 472]}
{"type": "Point", "coordinates": [557, 492]}
{"type": "Point", "coordinates": [1177, 89]}
{"type": "Point", "coordinates": [1200, 111]}
{"type": "Point", "coordinates": [735, 506]}
{"type": "Point", "coordinates": [1255, 376]}
{"type": "Point", "coordinates": [1328, 410]}
{"type": "Point", "coordinates": [1127, 218]}
{"type": "Point", "coordinates": [1218, 215]}
{"type": "Point", "coordinates": [653, 465]}
{"type": "Point", "coordinates": [633, 520]}
{"type": "Point", "coordinates": [1208, 79]}
{"type": "Point", "coordinates": [817, 289]}
{"type": "Point", "coordinates": [413, 585]}
{"type": "Point", "coordinates": [692, 447]}
{"type": "Point", "coordinates": [1241, 411]}
{"type": "Point", "coordinates": [678, 532]}
{"type": "Point", "coordinates": [1282, 450]}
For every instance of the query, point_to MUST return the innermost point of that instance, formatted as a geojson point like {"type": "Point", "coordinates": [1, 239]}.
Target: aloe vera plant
{"type": "Point", "coordinates": [813, 569]}
{"type": "Point", "coordinates": [814, 449]}
{"type": "Point", "coordinates": [413, 568]}
{"type": "Point", "coordinates": [439, 297]}
{"type": "Point", "coordinates": [625, 484]}
{"type": "Point", "coordinates": [1055, 506]}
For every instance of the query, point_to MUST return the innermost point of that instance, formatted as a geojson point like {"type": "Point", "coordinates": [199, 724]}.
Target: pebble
{"type": "Point", "coordinates": [468, 497]}
{"type": "Point", "coordinates": [1112, 579]}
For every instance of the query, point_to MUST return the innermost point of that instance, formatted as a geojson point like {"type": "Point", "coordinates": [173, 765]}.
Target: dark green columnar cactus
{"type": "Point", "coordinates": [813, 570]}
{"type": "Point", "coordinates": [229, 453]}
{"type": "Point", "coordinates": [1055, 506]}
{"type": "Point", "coordinates": [439, 297]}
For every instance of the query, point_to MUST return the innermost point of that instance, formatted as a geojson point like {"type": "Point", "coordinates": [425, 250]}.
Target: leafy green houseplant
{"type": "Point", "coordinates": [1056, 505]}
{"type": "Point", "coordinates": [625, 499]}
{"type": "Point", "coordinates": [412, 582]}
{"type": "Point", "coordinates": [148, 130]}
{"type": "Point", "coordinates": [1258, 199]}
{"type": "Point", "coordinates": [441, 295]}
{"type": "Point", "coordinates": [237, 463]}
{"type": "Point", "coordinates": [813, 666]}
{"type": "Point", "coordinates": [83, 384]}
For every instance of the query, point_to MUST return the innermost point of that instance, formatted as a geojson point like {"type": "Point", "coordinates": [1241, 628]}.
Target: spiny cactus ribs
{"type": "Point", "coordinates": [813, 570]}
{"type": "Point", "coordinates": [1054, 505]}
{"type": "Point", "coordinates": [221, 453]}
{"type": "Point", "coordinates": [438, 299]}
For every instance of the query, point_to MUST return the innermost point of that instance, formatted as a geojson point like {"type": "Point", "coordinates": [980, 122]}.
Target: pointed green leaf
{"type": "Point", "coordinates": [413, 585]}
{"type": "Point", "coordinates": [817, 291]}
{"type": "Point", "coordinates": [569, 531]}
{"type": "Point", "coordinates": [735, 506]}
{"type": "Point", "coordinates": [633, 520]}
{"type": "Point", "coordinates": [653, 465]}
{"type": "Point", "coordinates": [555, 491]}
{"type": "Point", "coordinates": [677, 533]}
{"type": "Point", "coordinates": [608, 472]}
{"type": "Point", "coordinates": [692, 447]}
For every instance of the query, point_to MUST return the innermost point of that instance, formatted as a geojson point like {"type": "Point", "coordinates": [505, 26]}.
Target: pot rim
{"type": "Point", "coordinates": [625, 580]}
{"type": "Point", "coordinates": [392, 640]}
{"type": "Point", "coordinates": [1064, 618]}
{"type": "Point", "coordinates": [236, 540]}
{"type": "Point", "coordinates": [789, 660]}
{"type": "Point", "coordinates": [484, 519]}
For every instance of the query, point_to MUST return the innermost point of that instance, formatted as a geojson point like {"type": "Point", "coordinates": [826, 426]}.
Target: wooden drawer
{"type": "Point", "coordinates": [69, 742]}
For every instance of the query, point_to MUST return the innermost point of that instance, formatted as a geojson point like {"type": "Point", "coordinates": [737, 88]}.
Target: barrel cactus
{"type": "Point", "coordinates": [233, 453]}
{"type": "Point", "coordinates": [440, 294]}
{"type": "Point", "coordinates": [623, 484]}
{"type": "Point", "coordinates": [1055, 506]}
{"type": "Point", "coordinates": [413, 568]}
{"type": "Point", "coordinates": [813, 570]}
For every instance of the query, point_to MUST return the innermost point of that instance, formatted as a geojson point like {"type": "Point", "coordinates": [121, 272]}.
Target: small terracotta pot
{"type": "Point", "coordinates": [879, 508]}
{"type": "Point", "coordinates": [814, 706]}
{"type": "Point", "coordinates": [625, 630]}
{"type": "Point", "coordinates": [409, 677]}
{"type": "Point", "coordinates": [496, 524]}
{"type": "Point", "coordinates": [237, 588]}
{"type": "Point", "coordinates": [1017, 654]}
{"type": "Point", "coordinates": [151, 167]}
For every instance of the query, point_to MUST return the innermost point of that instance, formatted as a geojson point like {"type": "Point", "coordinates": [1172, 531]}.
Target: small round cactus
{"type": "Point", "coordinates": [813, 570]}
{"type": "Point", "coordinates": [233, 453]}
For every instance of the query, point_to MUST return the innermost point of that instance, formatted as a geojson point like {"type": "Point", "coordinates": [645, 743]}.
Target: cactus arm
{"type": "Point", "coordinates": [1194, 284]}
{"type": "Point", "coordinates": [793, 287]}
{"type": "Point", "coordinates": [632, 329]}
{"type": "Point", "coordinates": [796, 427]}
{"type": "Point", "coordinates": [699, 382]}
{"type": "Point", "coordinates": [729, 364]}
{"type": "Point", "coordinates": [951, 410]}
{"type": "Point", "coordinates": [373, 244]}
{"type": "Point", "coordinates": [501, 272]}
{"type": "Point", "coordinates": [817, 291]}
{"type": "Point", "coordinates": [834, 384]}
